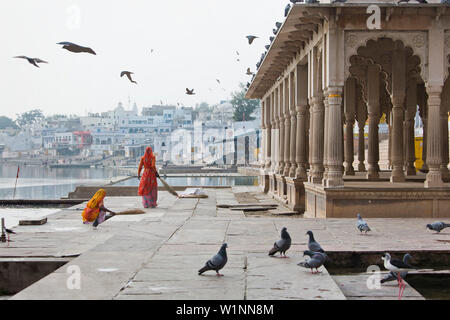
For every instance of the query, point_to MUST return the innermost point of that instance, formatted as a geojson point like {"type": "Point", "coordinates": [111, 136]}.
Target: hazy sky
{"type": "Point", "coordinates": [194, 42]}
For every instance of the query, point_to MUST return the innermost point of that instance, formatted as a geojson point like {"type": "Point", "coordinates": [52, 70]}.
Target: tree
{"type": "Point", "coordinates": [243, 108]}
{"type": "Point", "coordinates": [29, 117]}
{"type": "Point", "coordinates": [6, 122]}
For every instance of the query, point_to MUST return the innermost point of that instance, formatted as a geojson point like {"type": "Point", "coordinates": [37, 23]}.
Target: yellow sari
{"type": "Point", "coordinates": [92, 210]}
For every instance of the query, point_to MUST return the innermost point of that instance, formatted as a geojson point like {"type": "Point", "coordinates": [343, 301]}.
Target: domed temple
{"type": "Point", "coordinates": [331, 69]}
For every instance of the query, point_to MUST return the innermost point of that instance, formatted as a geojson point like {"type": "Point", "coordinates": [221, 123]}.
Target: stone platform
{"type": "Point", "coordinates": [156, 255]}
{"type": "Point", "coordinates": [377, 200]}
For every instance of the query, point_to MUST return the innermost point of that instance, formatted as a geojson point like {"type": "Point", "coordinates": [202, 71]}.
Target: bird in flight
{"type": "Point", "coordinates": [237, 52]}
{"type": "Point", "coordinates": [72, 47]}
{"type": "Point", "coordinates": [190, 92]}
{"type": "Point", "coordinates": [128, 74]}
{"type": "Point", "coordinates": [251, 38]}
{"type": "Point", "coordinates": [218, 81]}
{"type": "Point", "coordinates": [249, 73]}
{"type": "Point", "coordinates": [33, 61]}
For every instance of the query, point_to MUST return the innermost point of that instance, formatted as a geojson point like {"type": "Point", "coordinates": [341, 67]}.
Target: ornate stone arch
{"type": "Point", "coordinates": [416, 40]}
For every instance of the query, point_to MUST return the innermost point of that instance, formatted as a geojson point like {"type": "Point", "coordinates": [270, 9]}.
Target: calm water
{"type": "Point", "coordinates": [37, 182]}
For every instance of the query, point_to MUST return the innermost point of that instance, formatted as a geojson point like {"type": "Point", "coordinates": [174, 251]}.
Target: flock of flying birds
{"type": "Point", "coordinates": [72, 47]}
{"type": "Point", "coordinates": [317, 255]}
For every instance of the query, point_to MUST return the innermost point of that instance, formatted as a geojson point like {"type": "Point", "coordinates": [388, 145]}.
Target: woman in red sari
{"type": "Point", "coordinates": [148, 187]}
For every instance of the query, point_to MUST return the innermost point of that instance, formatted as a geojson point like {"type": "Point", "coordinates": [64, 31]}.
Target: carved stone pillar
{"type": "Point", "coordinates": [434, 139]}
{"type": "Point", "coordinates": [281, 130]}
{"type": "Point", "coordinates": [398, 112]}
{"type": "Point", "coordinates": [444, 128]}
{"type": "Point", "coordinates": [302, 125]}
{"type": "Point", "coordinates": [317, 169]}
{"type": "Point", "coordinates": [410, 113]}
{"type": "Point", "coordinates": [373, 84]}
{"type": "Point", "coordinates": [268, 119]}
{"type": "Point", "coordinates": [361, 115]}
{"type": "Point", "coordinates": [334, 136]}
{"type": "Point", "coordinates": [293, 133]}
{"type": "Point", "coordinates": [325, 134]}
{"type": "Point", "coordinates": [350, 115]}
{"type": "Point", "coordinates": [287, 129]}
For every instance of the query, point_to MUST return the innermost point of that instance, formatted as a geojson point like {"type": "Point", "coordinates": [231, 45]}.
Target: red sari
{"type": "Point", "coordinates": [148, 187]}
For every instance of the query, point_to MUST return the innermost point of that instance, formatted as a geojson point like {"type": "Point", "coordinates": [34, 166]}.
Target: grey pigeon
{"type": "Point", "coordinates": [362, 225]}
{"type": "Point", "coordinates": [251, 38]}
{"type": "Point", "coordinates": [392, 276]}
{"type": "Point", "coordinates": [128, 74]}
{"type": "Point", "coordinates": [317, 259]}
{"type": "Point", "coordinates": [33, 61]}
{"type": "Point", "coordinates": [271, 39]}
{"type": "Point", "coordinates": [313, 245]}
{"type": "Point", "coordinates": [190, 92]}
{"type": "Point", "coordinates": [438, 226]}
{"type": "Point", "coordinates": [282, 245]}
{"type": "Point", "coordinates": [267, 47]}
{"type": "Point", "coordinates": [312, 1]}
{"type": "Point", "coordinates": [445, 1]}
{"type": "Point", "coordinates": [217, 262]}
{"type": "Point", "coordinates": [334, 1]}
{"type": "Point", "coordinates": [275, 31]}
{"type": "Point", "coordinates": [72, 47]}
{"type": "Point", "coordinates": [286, 10]}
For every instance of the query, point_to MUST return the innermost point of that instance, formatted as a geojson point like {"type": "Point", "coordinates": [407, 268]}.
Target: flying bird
{"type": "Point", "coordinates": [190, 92]}
{"type": "Point", "coordinates": [392, 276]}
{"type": "Point", "coordinates": [218, 81]}
{"type": "Point", "coordinates": [217, 262]}
{"type": "Point", "coordinates": [317, 259]}
{"type": "Point", "coordinates": [313, 245]}
{"type": "Point", "coordinates": [438, 226]}
{"type": "Point", "coordinates": [282, 245]}
{"type": "Point", "coordinates": [251, 39]}
{"type": "Point", "coordinates": [249, 73]}
{"type": "Point", "coordinates": [237, 52]}
{"type": "Point", "coordinates": [72, 47]}
{"type": "Point", "coordinates": [33, 61]}
{"type": "Point", "coordinates": [397, 267]}
{"type": "Point", "coordinates": [128, 74]}
{"type": "Point", "coordinates": [362, 225]}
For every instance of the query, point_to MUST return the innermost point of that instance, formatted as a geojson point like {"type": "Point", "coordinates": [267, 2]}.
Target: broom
{"type": "Point", "coordinates": [169, 188]}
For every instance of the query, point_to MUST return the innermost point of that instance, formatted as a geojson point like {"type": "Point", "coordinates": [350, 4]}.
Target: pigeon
{"type": "Point", "coordinates": [267, 47]}
{"type": "Point", "coordinates": [362, 225]}
{"type": "Point", "coordinates": [8, 232]}
{"type": "Point", "coordinates": [438, 226]}
{"type": "Point", "coordinates": [249, 73]}
{"type": "Point", "coordinates": [271, 39]}
{"type": "Point", "coordinates": [445, 1]}
{"type": "Point", "coordinates": [282, 245]}
{"type": "Point", "coordinates": [286, 10]}
{"type": "Point", "coordinates": [237, 52]}
{"type": "Point", "coordinates": [392, 276]}
{"type": "Point", "coordinates": [275, 31]}
{"type": "Point", "coordinates": [128, 74]}
{"type": "Point", "coordinates": [72, 47]}
{"type": "Point", "coordinates": [33, 61]}
{"type": "Point", "coordinates": [217, 262]}
{"type": "Point", "coordinates": [218, 81]}
{"type": "Point", "coordinates": [251, 39]}
{"type": "Point", "coordinates": [397, 267]}
{"type": "Point", "coordinates": [190, 92]}
{"type": "Point", "coordinates": [335, 1]}
{"type": "Point", "coordinates": [313, 245]}
{"type": "Point", "coordinates": [317, 259]}
{"type": "Point", "coordinates": [278, 25]}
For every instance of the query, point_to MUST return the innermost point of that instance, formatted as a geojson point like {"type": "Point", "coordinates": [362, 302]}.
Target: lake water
{"type": "Point", "coordinates": [36, 182]}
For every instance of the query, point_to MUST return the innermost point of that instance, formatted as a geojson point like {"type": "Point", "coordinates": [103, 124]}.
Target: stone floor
{"type": "Point", "coordinates": [156, 255]}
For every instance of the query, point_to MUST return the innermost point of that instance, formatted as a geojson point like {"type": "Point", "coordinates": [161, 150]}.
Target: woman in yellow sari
{"type": "Point", "coordinates": [95, 211]}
